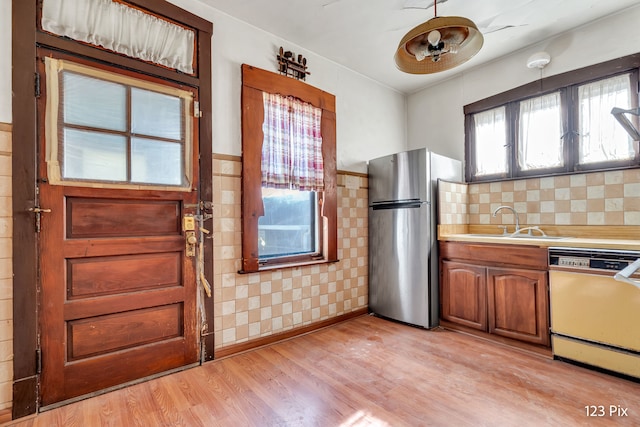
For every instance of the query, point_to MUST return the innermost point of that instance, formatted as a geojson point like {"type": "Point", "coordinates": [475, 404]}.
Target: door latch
{"type": "Point", "coordinates": [38, 211]}
{"type": "Point", "coordinates": [191, 240]}
{"type": "Point", "coordinates": [189, 227]}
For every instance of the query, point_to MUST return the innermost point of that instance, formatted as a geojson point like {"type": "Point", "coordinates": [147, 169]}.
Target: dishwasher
{"type": "Point", "coordinates": [594, 296]}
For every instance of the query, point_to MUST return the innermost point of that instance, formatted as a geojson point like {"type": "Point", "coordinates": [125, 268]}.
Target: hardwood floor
{"type": "Point", "coordinates": [364, 372]}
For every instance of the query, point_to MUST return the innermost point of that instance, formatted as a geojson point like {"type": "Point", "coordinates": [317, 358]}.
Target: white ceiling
{"type": "Point", "coordinates": [363, 35]}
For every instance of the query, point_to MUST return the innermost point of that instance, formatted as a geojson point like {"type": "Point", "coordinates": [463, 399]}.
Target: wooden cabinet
{"type": "Point", "coordinates": [517, 304]}
{"type": "Point", "coordinates": [498, 289]}
{"type": "Point", "coordinates": [464, 294]}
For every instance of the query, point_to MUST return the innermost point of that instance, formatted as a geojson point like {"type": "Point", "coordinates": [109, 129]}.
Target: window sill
{"type": "Point", "coordinates": [279, 266]}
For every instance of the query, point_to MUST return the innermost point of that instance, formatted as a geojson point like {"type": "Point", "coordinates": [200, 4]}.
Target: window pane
{"type": "Point", "coordinates": [491, 142]}
{"type": "Point", "coordinates": [93, 102]}
{"type": "Point", "coordinates": [156, 114]}
{"type": "Point", "coordinates": [288, 226]}
{"type": "Point", "coordinates": [156, 162]}
{"type": "Point", "coordinates": [94, 155]}
{"type": "Point", "coordinates": [601, 137]}
{"type": "Point", "coordinates": [540, 133]}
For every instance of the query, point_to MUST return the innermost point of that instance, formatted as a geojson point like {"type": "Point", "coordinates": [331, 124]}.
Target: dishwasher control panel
{"type": "Point", "coordinates": [565, 261]}
{"type": "Point", "coordinates": [591, 259]}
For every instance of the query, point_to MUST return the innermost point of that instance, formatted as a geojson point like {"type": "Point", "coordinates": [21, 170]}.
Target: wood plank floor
{"type": "Point", "coordinates": [364, 372]}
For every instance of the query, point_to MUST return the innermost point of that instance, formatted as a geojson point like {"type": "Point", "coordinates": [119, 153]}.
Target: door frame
{"type": "Point", "coordinates": [25, 37]}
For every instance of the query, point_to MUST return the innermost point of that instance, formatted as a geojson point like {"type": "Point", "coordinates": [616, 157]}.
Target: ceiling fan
{"type": "Point", "coordinates": [447, 41]}
{"type": "Point", "coordinates": [444, 42]}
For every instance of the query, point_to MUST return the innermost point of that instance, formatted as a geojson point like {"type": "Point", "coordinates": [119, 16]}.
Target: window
{"type": "Point", "coordinates": [567, 128]}
{"type": "Point", "coordinates": [602, 139]}
{"type": "Point", "coordinates": [540, 133]}
{"type": "Point", "coordinates": [115, 130]}
{"type": "Point", "coordinates": [286, 220]}
{"type": "Point", "coordinates": [490, 132]}
{"type": "Point", "coordinates": [292, 171]}
{"type": "Point", "coordinates": [289, 226]}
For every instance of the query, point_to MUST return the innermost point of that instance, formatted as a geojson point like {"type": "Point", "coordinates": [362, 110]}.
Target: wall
{"type": "Point", "coordinates": [6, 270]}
{"type": "Point", "coordinates": [370, 117]}
{"type": "Point", "coordinates": [444, 118]}
{"type": "Point", "coordinates": [251, 306]}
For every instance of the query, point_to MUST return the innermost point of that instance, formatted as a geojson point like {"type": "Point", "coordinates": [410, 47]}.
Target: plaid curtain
{"type": "Point", "coordinates": [292, 145]}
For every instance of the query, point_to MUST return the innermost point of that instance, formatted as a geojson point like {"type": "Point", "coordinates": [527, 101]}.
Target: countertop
{"type": "Point", "coordinates": [577, 242]}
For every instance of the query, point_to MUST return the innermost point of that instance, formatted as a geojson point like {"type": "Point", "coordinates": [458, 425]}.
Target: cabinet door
{"type": "Point", "coordinates": [517, 303]}
{"type": "Point", "coordinates": [463, 294]}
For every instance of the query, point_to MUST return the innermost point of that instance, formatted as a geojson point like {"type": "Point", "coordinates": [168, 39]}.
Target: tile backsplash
{"type": "Point", "coordinates": [453, 203]}
{"type": "Point", "coordinates": [251, 306]}
{"type": "Point", "coordinates": [596, 198]}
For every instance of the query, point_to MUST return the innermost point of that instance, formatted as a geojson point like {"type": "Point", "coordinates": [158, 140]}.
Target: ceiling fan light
{"type": "Point", "coordinates": [434, 37]}
{"type": "Point", "coordinates": [453, 30]}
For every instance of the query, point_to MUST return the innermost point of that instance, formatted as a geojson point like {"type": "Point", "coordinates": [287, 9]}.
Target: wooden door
{"type": "Point", "coordinates": [117, 284]}
{"type": "Point", "coordinates": [517, 302]}
{"type": "Point", "coordinates": [463, 293]}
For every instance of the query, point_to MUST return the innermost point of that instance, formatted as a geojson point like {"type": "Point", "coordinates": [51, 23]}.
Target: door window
{"type": "Point", "coordinates": [109, 130]}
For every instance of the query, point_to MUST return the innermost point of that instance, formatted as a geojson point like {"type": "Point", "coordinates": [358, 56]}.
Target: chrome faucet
{"type": "Point", "coordinates": [515, 213]}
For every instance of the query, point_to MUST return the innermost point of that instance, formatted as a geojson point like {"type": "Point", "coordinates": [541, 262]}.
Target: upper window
{"type": "Point", "coordinates": [566, 129]}
{"type": "Point", "coordinates": [116, 130]}
{"type": "Point", "coordinates": [128, 30]}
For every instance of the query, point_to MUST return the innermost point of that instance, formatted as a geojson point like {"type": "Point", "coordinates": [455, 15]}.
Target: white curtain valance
{"type": "Point", "coordinates": [123, 29]}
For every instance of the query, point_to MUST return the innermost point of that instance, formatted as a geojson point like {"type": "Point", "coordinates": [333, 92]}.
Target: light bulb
{"type": "Point", "coordinates": [453, 48]}
{"type": "Point", "coordinates": [420, 55]}
{"type": "Point", "coordinates": [434, 37]}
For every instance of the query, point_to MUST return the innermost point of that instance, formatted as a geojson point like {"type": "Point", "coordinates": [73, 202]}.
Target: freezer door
{"type": "Point", "coordinates": [399, 285]}
{"type": "Point", "coordinates": [401, 176]}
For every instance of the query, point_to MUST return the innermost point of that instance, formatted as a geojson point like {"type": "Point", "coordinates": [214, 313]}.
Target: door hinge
{"type": "Point", "coordinates": [196, 109]}
{"type": "Point", "coordinates": [38, 361]}
{"type": "Point", "coordinates": [37, 85]}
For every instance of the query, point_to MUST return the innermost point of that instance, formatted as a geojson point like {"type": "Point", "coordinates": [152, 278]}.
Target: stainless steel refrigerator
{"type": "Point", "coordinates": [403, 256]}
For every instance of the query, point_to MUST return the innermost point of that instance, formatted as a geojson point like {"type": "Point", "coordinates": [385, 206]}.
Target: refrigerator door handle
{"type": "Point", "coordinates": [397, 205]}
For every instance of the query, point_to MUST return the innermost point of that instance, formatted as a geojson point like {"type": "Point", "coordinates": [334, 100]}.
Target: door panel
{"type": "Point", "coordinates": [104, 334]}
{"type": "Point", "coordinates": [120, 218]}
{"type": "Point", "coordinates": [97, 276]}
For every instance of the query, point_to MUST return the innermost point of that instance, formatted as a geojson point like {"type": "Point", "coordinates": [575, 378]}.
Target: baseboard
{"type": "Point", "coordinates": [271, 339]}
{"type": "Point", "coordinates": [5, 416]}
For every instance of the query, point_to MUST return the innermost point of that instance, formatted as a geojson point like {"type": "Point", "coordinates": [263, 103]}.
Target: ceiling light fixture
{"type": "Point", "coordinates": [441, 43]}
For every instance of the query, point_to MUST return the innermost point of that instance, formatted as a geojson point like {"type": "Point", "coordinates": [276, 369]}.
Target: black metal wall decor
{"type": "Point", "coordinates": [289, 65]}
